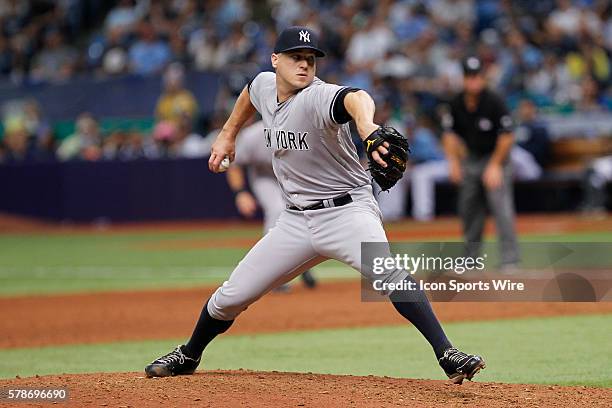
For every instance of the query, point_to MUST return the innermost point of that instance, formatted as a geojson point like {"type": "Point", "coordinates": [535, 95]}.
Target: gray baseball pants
{"type": "Point", "coordinates": [473, 200]}
{"type": "Point", "coordinates": [299, 241]}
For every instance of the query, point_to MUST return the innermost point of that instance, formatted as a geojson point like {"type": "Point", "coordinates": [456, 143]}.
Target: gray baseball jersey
{"type": "Point", "coordinates": [314, 156]}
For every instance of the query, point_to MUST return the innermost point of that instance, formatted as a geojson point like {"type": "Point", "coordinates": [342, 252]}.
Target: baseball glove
{"type": "Point", "coordinates": [396, 159]}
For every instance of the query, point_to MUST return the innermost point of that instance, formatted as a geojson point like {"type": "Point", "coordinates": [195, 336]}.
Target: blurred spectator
{"type": "Point", "coordinates": [570, 19]}
{"type": "Point", "coordinates": [409, 21]}
{"type": "Point", "coordinates": [29, 135]}
{"type": "Point", "coordinates": [210, 52]}
{"type": "Point", "coordinates": [591, 60]}
{"type": "Point", "coordinates": [595, 182]}
{"type": "Point", "coordinates": [551, 80]}
{"type": "Point", "coordinates": [369, 44]}
{"type": "Point", "coordinates": [531, 134]}
{"type": "Point", "coordinates": [133, 146]}
{"type": "Point", "coordinates": [39, 130]}
{"type": "Point", "coordinates": [164, 136]}
{"type": "Point", "coordinates": [286, 13]}
{"type": "Point", "coordinates": [231, 11]}
{"type": "Point", "coordinates": [149, 54]}
{"type": "Point", "coordinates": [85, 143]}
{"type": "Point", "coordinates": [448, 70]}
{"type": "Point", "coordinates": [34, 121]}
{"type": "Point", "coordinates": [115, 55]}
{"type": "Point", "coordinates": [237, 45]}
{"type": "Point", "coordinates": [112, 145]}
{"type": "Point", "coordinates": [188, 14]}
{"type": "Point", "coordinates": [451, 13]}
{"type": "Point", "coordinates": [162, 18]}
{"type": "Point", "coordinates": [424, 142]}
{"type": "Point", "coordinates": [588, 96]}
{"type": "Point", "coordinates": [57, 61]}
{"type": "Point", "coordinates": [517, 60]}
{"type": "Point", "coordinates": [189, 144]}
{"type": "Point", "coordinates": [178, 48]}
{"type": "Point", "coordinates": [125, 15]}
{"type": "Point", "coordinates": [532, 149]}
{"type": "Point", "coordinates": [207, 52]}
{"type": "Point", "coordinates": [566, 18]}
{"type": "Point", "coordinates": [16, 141]}
{"type": "Point", "coordinates": [123, 145]}
{"type": "Point", "coordinates": [176, 101]}
{"type": "Point", "coordinates": [14, 15]}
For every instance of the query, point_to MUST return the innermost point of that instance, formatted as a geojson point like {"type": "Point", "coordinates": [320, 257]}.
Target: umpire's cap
{"type": "Point", "coordinates": [296, 38]}
{"type": "Point", "coordinates": [472, 65]}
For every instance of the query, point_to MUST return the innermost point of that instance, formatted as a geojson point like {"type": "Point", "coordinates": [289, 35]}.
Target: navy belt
{"type": "Point", "coordinates": [334, 202]}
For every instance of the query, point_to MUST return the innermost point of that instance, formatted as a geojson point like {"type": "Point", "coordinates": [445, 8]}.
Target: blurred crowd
{"type": "Point", "coordinates": [556, 50]}
{"type": "Point", "coordinates": [29, 137]}
{"type": "Point", "coordinates": [406, 53]}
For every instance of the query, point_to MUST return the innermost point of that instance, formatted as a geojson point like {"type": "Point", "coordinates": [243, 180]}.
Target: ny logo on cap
{"type": "Point", "coordinates": [304, 36]}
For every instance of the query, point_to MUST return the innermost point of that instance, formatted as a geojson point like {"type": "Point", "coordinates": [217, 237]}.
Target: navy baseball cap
{"type": "Point", "coordinates": [297, 38]}
{"type": "Point", "coordinates": [472, 65]}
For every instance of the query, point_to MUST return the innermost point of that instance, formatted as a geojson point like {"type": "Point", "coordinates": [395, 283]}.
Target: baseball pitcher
{"type": "Point", "coordinates": [330, 206]}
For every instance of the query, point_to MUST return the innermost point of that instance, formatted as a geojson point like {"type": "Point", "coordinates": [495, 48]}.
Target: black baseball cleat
{"type": "Point", "coordinates": [309, 280]}
{"type": "Point", "coordinates": [173, 363]}
{"type": "Point", "coordinates": [459, 366]}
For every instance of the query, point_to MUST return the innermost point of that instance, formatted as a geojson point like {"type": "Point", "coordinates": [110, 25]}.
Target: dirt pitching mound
{"type": "Point", "coordinates": [274, 389]}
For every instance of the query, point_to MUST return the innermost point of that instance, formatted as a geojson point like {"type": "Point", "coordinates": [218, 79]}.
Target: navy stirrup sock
{"type": "Point", "coordinates": [206, 329]}
{"type": "Point", "coordinates": [415, 307]}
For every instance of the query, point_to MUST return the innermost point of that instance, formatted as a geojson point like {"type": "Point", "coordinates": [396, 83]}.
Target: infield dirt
{"type": "Point", "coordinates": [274, 389]}
{"type": "Point", "coordinates": [121, 316]}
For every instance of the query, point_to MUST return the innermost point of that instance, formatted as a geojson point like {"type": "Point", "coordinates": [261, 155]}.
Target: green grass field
{"type": "Point", "coordinates": [54, 263]}
{"type": "Point", "coordinates": [561, 350]}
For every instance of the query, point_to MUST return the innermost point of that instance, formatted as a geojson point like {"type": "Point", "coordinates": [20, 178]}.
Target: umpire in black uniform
{"type": "Point", "coordinates": [477, 140]}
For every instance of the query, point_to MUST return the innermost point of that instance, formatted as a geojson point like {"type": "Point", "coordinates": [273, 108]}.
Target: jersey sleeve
{"type": "Point", "coordinates": [257, 85]}
{"type": "Point", "coordinates": [502, 118]}
{"type": "Point", "coordinates": [322, 100]}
